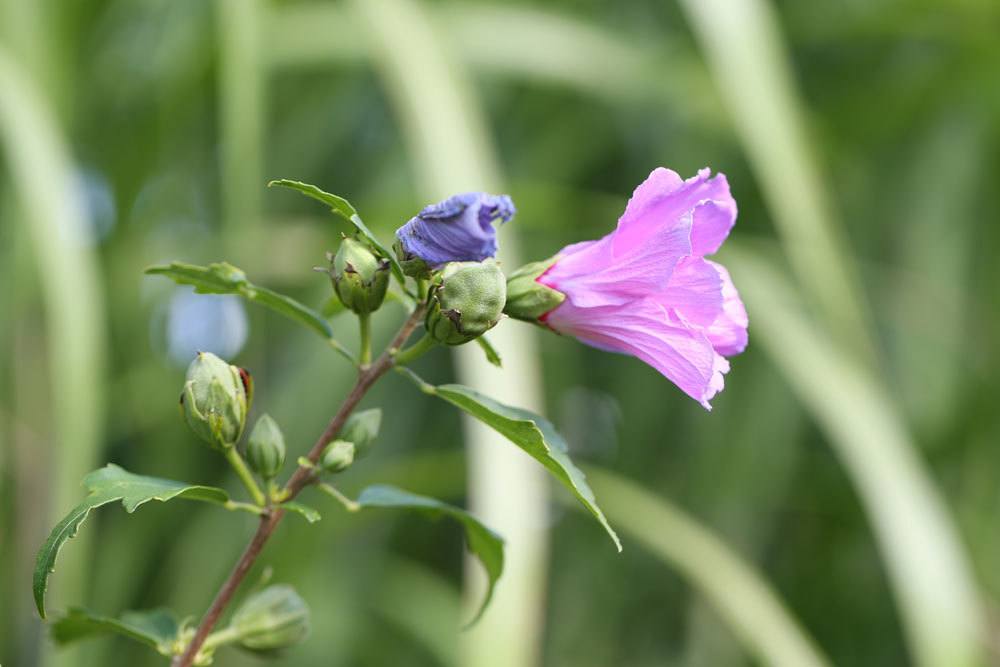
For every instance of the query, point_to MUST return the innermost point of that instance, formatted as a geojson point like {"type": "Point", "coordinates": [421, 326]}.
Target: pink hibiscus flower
{"type": "Point", "coordinates": [646, 288]}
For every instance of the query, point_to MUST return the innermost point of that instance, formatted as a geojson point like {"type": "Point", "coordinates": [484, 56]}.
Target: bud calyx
{"type": "Point", "coordinates": [360, 278]}
{"type": "Point", "coordinates": [216, 399]}
{"type": "Point", "coordinates": [528, 299]}
{"type": "Point", "coordinates": [466, 301]}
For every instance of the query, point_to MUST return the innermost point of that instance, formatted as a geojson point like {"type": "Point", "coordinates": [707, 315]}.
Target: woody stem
{"type": "Point", "coordinates": [302, 477]}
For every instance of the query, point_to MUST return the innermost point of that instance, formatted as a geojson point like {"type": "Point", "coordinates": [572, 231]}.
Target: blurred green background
{"type": "Point", "coordinates": [838, 506]}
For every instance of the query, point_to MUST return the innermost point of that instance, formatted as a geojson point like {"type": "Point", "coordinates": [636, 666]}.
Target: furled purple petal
{"type": "Point", "coordinates": [457, 229]}
{"type": "Point", "coordinates": [593, 275]}
{"type": "Point", "coordinates": [642, 329]}
{"type": "Point", "coordinates": [728, 332]}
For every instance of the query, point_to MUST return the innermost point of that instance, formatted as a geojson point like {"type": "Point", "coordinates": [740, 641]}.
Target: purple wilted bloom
{"type": "Point", "coordinates": [459, 229]}
{"type": "Point", "coordinates": [647, 290]}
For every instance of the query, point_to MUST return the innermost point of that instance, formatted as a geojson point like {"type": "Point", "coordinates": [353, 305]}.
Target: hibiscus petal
{"type": "Point", "coordinates": [641, 329]}
{"type": "Point", "coordinates": [712, 221]}
{"type": "Point", "coordinates": [593, 275]}
{"type": "Point", "coordinates": [729, 331]}
{"type": "Point", "coordinates": [694, 292]}
{"type": "Point", "coordinates": [663, 200]}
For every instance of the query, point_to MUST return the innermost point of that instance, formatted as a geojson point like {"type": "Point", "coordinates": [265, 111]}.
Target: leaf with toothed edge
{"type": "Point", "coordinates": [344, 209]}
{"type": "Point", "coordinates": [534, 434]}
{"type": "Point", "coordinates": [107, 485]}
{"type": "Point", "coordinates": [224, 278]}
{"type": "Point", "coordinates": [156, 628]}
{"type": "Point", "coordinates": [487, 546]}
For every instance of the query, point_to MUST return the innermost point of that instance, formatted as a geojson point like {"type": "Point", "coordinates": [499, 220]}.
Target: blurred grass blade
{"type": "Point", "coordinates": [741, 596]}
{"type": "Point", "coordinates": [551, 48]}
{"type": "Point", "coordinates": [743, 46]}
{"type": "Point", "coordinates": [43, 176]}
{"type": "Point", "coordinates": [931, 579]}
{"type": "Point", "coordinates": [404, 581]}
{"type": "Point", "coordinates": [930, 309]}
{"type": "Point", "coordinates": [448, 142]}
{"type": "Point", "coordinates": [241, 113]}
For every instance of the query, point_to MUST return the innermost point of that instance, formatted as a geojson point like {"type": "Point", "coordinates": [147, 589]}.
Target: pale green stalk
{"type": "Point", "coordinates": [742, 43]}
{"type": "Point", "coordinates": [750, 607]}
{"type": "Point", "coordinates": [42, 173]}
{"type": "Point", "coordinates": [416, 350]}
{"type": "Point", "coordinates": [365, 344]}
{"type": "Point", "coordinates": [240, 466]}
{"type": "Point", "coordinates": [451, 151]}
{"type": "Point", "coordinates": [241, 114]}
{"type": "Point", "coordinates": [930, 575]}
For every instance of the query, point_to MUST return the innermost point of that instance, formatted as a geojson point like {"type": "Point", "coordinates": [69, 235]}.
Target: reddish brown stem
{"type": "Point", "coordinates": [302, 477]}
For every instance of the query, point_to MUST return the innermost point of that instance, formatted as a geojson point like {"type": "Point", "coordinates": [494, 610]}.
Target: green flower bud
{"type": "Point", "coordinates": [216, 399]}
{"type": "Point", "coordinates": [466, 301]}
{"type": "Point", "coordinates": [266, 448]}
{"type": "Point", "coordinates": [360, 279]}
{"type": "Point", "coordinates": [338, 457]}
{"type": "Point", "coordinates": [272, 619]}
{"type": "Point", "coordinates": [361, 429]}
{"type": "Point", "coordinates": [528, 299]}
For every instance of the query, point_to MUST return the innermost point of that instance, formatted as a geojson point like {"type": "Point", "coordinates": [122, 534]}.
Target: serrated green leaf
{"type": "Point", "coordinates": [491, 353]}
{"type": "Point", "coordinates": [107, 485]}
{"type": "Point", "coordinates": [308, 513]}
{"type": "Point", "coordinates": [483, 542]}
{"type": "Point", "coordinates": [532, 433]}
{"type": "Point", "coordinates": [344, 209]}
{"type": "Point", "coordinates": [156, 628]}
{"type": "Point", "coordinates": [223, 278]}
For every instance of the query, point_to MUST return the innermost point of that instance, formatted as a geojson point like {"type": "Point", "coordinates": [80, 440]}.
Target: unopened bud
{"type": "Point", "coordinates": [216, 399]}
{"type": "Point", "coordinates": [528, 299]}
{"type": "Point", "coordinates": [467, 300]}
{"type": "Point", "coordinates": [362, 429]}
{"type": "Point", "coordinates": [266, 448]}
{"type": "Point", "coordinates": [338, 457]}
{"type": "Point", "coordinates": [272, 619]}
{"type": "Point", "coordinates": [360, 279]}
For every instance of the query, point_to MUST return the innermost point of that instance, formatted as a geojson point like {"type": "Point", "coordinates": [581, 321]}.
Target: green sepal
{"type": "Point", "coordinates": [107, 485]}
{"type": "Point", "coordinates": [491, 353]}
{"type": "Point", "coordinates": [485, 544]}
{"type": "Point", "coordinates": [528, 299]}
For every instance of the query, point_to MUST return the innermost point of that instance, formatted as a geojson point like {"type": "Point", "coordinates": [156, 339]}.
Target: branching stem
{"type": "Point", "coordinates": [334, 492]}
{"type": "Point", "coordinates": [302, 476]}
{"type": "Point", "coordinates": [411, 353]}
